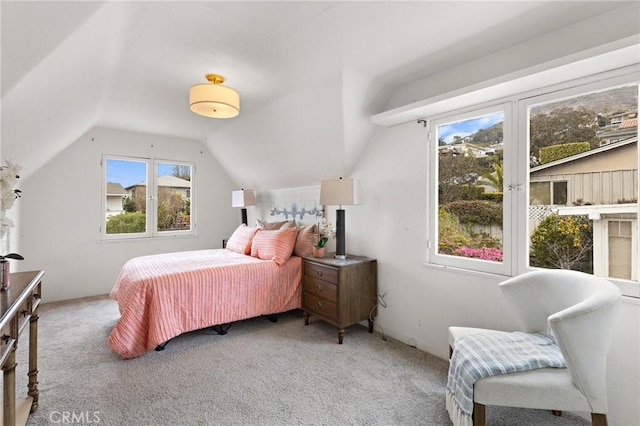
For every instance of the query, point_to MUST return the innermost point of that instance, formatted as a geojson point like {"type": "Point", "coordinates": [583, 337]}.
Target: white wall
{"type": "Point", "coordinates": [422, 301]}
{"type": "Point", "coordinates": [295, 140]}
{"type": "Point", "coordinates": [555, 48]}
{"type": "Point", "coordinates": [60, 212]}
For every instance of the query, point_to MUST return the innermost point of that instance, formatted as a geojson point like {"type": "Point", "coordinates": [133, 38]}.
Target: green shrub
{"type": "Point", "coordinates": [451, 192]}
{"type": "Point", "coordinates": [556, 152]}
{"type": "Point", "coordinates": [562, 242]}
{"type": "Point", "coordinates": [454, 236]}
{"type": "Point", "coordinates": [127, 223]}
{"type": "Point", "coordinates": [479, 212]}
{"type": "Point", "coordinates": [451, 234]}
{"type": "Point", "coordinates": [496, 197]}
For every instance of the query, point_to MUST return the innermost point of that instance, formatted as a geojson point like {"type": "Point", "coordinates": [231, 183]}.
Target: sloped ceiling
{"type": "Point", "coordinates": [309, 73]}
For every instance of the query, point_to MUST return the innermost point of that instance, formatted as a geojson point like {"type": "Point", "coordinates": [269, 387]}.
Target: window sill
{"type": "Point", "coordinates": [465, 271]}
{"type": "Point", "coordinates": [630, 290]}
{"type": "Point", "coordinates": [158, 237]}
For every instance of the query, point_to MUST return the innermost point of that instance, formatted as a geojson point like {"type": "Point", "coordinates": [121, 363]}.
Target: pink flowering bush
{"type": "Point", "coordinates": [484, 253]}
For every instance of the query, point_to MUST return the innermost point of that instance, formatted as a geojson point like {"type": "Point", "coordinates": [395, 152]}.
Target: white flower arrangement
{"type": "Point", "coordinates": [8, 193]}
{"type": "Point", "coordinates": [326, 230]}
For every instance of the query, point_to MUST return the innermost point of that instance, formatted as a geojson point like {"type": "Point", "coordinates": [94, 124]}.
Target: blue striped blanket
{"type": "Point", "coordinates": [482, 355]}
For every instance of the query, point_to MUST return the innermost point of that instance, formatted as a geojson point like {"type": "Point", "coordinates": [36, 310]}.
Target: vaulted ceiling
{"type": "Point", "coordinates": [69, 66]}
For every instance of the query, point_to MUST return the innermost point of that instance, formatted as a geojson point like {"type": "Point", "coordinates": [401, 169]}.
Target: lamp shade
{"type": "Point", "coordinates": [243, 198]}
{"type": "Point", "coordinates": [213, 99]}
{"type": "Point", "coordinates": [339, 191]}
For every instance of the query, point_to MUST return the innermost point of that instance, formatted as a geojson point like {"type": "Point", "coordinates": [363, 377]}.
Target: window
{"type": "Point", "coordinates": [563, 173]}
{"type": "Point", "coordinates": [470, 225]}
{"type": "Point", "coordinates": [542, 193]}
{"type": "Point", "coordinates": [146, 198]}
{"type": "Point", "coordinates": [592, 177]}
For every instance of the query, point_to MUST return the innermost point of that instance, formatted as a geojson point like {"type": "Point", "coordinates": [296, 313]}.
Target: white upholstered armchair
{"type": "Point", "coordinates": [577, 309]}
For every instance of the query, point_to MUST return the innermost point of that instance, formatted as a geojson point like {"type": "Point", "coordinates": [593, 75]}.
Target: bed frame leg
{"type": "Point", "coordinates": [221, 329]}
{"type": "Point", "coordinates": [273, 317]}
{"type": "Point", "coordinates": [162, 346]}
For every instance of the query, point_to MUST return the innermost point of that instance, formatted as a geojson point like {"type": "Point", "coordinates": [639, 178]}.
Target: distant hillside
{"type": "Point", "coordinates": [617, 100]}
{"type": "Point", "coordinates": [488, 136]}
{"type": "Point", "coordinates": [611, 101]}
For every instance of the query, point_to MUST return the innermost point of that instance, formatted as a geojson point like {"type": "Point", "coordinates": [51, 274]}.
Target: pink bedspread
{"type": "Point", "coordinates": [162, 296]}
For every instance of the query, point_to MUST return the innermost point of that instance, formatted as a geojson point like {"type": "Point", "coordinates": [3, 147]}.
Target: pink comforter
{"type": "Point", "coordinates": [162, 296]}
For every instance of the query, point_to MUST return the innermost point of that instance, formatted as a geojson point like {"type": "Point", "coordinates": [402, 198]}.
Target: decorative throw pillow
{"type": "Point", "coordinates": [289, 224]}
{"type": "Point", "coordinates": [270, 226]}
{"type": "Point", "coordinates": [274, 245]}
{"type": "Point", "coordinates": [305, 241]}
{"type": "Point", "coordinates": [240, 240]}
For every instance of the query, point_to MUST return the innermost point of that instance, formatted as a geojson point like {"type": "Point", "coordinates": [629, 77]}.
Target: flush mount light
{"type": "Point", "coordinates": [213, 99]}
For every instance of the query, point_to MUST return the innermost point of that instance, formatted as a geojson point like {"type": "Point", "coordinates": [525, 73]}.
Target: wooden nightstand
{"type": "Point", "coordinates": [340, 292]}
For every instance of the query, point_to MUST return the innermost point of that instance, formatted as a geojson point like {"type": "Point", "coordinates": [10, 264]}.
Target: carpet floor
{"type": "Point", "coordinates": [260, 373]}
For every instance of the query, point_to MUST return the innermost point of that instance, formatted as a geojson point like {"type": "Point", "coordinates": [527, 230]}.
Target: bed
{"type": "Point", "coordinates": [162, 296]}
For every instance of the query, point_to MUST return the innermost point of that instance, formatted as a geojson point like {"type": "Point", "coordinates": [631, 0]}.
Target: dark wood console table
{"type": "Point", "coordinates": [19, 307]}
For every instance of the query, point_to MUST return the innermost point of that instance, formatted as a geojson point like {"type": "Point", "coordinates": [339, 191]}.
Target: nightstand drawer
{"type": "Point", "coordinates": [321, 288]}
{"type": "Point", "coordinates": [321, 272]}
{"type": "Point", "coordinates": [320, 306]}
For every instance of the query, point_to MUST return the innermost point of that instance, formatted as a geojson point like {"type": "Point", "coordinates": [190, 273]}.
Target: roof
{"type": "Point", "coordinates": [167, 181]}
{"type": "Point", "coordinates": [114, 188]}
{"type": "Point", "coordinates": [589, 153]}
{"type": "Point", "coordinates": [629, 123]}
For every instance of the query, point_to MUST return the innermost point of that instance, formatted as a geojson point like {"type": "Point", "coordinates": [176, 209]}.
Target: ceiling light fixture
{"type": "Point", "coordinates": [213, 99]}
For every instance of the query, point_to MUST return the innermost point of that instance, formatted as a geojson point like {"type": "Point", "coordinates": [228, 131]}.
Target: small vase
{"type": "Point", "coordinates": [318, 251]}
{"type": "Point", "coordinates": [4, 276]}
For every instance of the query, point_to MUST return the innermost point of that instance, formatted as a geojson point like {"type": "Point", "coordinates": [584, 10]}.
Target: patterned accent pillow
{"type": "Point", "coordinates": [274, 245]}
{"type": "Point", "coordinates": [270, 226]}
{"type": "Point", "coordinates": [305, 241]}
{"type": "Point", "coordinates": [240, 240]}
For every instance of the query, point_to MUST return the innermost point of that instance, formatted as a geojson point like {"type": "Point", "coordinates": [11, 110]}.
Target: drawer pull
{"type": "Point", "coordinates": [5, 338]}
{"type": "Point", "coordinates": [319, 288]}
{"type": "Point", "coordinates": [319, 304]}
{"type": "Point", "coordinates": [319, 273]}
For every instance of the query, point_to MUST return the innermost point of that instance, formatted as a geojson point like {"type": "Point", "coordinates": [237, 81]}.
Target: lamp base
{"type": "Point", "coordinates": [243, 215]}
{"type": "Point", "coordinates": [340, 256]}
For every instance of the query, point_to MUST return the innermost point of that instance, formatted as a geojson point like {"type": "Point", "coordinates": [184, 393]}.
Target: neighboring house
{"type": "Point", "coordinates": [115, 197]}
{"type": "Point", "coordinates": [469, 150]}
{"type": "Point", "coordinates": [603, 184]}
{"type": "Point", "coordinates": [181, 186]}
{"type": "Point", "coordinates": [619, 127]}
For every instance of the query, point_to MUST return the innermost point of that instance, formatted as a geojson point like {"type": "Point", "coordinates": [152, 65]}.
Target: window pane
{"type": "Point", "coordinates": [173, 199]}
{"type": "Point", "coordinates": [540, 193]}
{"type": "Point", "coordinates": [470, 185]}
{"type": "Point", "coordinates": [587, 146]}
{"type": "Point", "coordinates": [126, 196]}
{"type": "Point", "coordinates": [560, 193]}
{"type": "Point", "coordinates": [619, 249]}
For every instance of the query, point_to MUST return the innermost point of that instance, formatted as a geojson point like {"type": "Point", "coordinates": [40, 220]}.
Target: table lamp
{"type": "Point", "coordinates": [243, 198]}
{"type": "Point", "coordinates": [339, 192]}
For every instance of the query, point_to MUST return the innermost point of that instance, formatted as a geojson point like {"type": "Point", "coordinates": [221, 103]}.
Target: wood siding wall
{"type": "Point", "coordinates": [603, 187]}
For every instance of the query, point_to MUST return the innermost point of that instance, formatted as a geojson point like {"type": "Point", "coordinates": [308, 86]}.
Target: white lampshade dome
{"type": "Point", "coordinates": [214, 100]}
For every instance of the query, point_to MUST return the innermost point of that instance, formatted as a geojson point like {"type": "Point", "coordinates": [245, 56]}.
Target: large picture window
{"type": "Point", "coordinates": [146, 198]}
{"type": "Point", "coordinates": [548, 180]}
{"type": "Point", "coordinates": [584, 145]}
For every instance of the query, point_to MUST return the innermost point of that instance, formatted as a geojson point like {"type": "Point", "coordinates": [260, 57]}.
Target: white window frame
{"type": "Point", "coordinates": [151, 197]}
{"type": "Point", "coordinates": [504, 267]}
{"type": "Point", "coordinates": [516, 174]}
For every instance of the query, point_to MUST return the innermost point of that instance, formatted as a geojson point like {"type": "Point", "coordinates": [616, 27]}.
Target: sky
{"type": "Point", "coordinates": [468, 127]}
{"type": "Point", "coordinates": [128, 172]}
